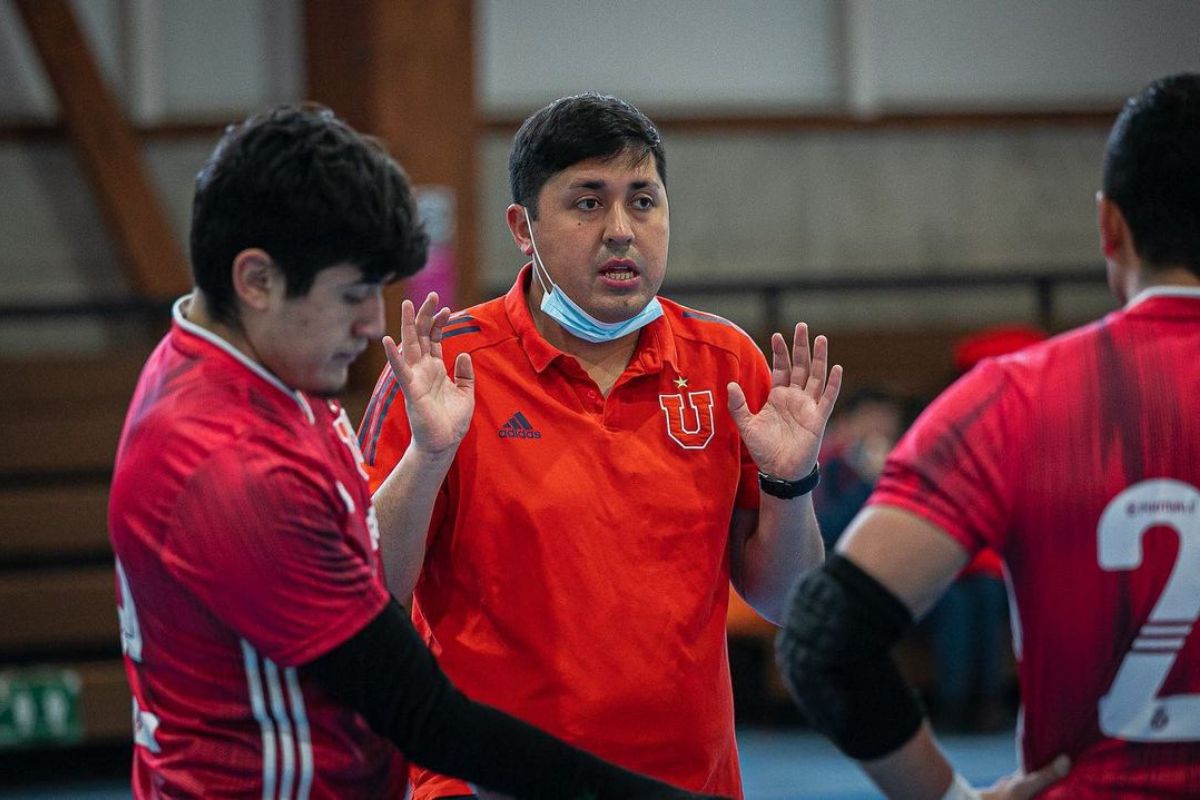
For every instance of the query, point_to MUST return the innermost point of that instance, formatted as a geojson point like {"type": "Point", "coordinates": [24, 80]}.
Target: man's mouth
{"type": "Point", "coordinates": [620, 270]}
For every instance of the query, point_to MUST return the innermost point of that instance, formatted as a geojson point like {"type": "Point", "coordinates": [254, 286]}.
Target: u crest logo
{"type": "Point", "coordinates": [689, 423]}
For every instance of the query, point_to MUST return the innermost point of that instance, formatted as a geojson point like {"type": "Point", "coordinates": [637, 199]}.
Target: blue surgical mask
{"type": "Point", "coordinates": [574, 320]}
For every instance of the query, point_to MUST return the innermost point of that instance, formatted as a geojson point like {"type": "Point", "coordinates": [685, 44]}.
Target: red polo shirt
{"type": "Point", "coordinates": [577, 568]}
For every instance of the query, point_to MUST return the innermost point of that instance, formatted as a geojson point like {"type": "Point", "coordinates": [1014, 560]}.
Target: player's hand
{"type": "Point", "coordinates": [1021, 786]}
{"type": "Point", "coordinates": [785, 435]}
{"type": "Point", "coordinates": [439, 408]}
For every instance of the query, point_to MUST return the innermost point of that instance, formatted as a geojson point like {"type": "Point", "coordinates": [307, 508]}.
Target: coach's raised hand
{"type": "Point", "coordinates": [439, 408]}
{"type": "Point", "coordinates": [785, 435]}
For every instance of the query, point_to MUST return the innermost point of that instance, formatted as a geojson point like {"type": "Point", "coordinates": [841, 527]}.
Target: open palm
{"type": "Point", "coordinates": [439, 408]}
{"type": "Point", "coordinates": [785, 435]}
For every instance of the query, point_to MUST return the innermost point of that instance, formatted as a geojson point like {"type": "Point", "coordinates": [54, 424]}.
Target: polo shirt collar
{"type": "Point", "coordinates": [656, 342]}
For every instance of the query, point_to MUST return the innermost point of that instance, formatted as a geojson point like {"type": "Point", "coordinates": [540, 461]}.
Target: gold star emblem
{"type": "Point", "coordinates": [680, 382]}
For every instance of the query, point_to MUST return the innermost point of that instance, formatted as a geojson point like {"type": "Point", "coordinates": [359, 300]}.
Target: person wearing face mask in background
{"type": "Point", "coordinates": [627, 458]}
{"type": "Point", "coordinates": [860, 435]}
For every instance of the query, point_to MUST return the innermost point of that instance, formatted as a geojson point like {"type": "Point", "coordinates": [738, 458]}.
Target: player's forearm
{"type": "Point", "coordinates": [404, 505]}
{"type": "Point", "coordinates": [916, 771]}
{"type": "Point", "coordinates": [783, 545]}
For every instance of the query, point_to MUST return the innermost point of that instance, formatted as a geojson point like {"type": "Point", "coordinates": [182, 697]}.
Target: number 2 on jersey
{"type": "Point", "coordinates": [1132, 709]}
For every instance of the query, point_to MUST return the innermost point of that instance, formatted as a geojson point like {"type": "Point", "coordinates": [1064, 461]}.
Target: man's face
{"type": "Point", "coordinates": [309, 342]}
{"type": "Point", "coordinates": [602, 232]}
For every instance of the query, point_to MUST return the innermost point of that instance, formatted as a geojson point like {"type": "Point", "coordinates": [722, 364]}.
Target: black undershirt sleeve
{"type": "Point", "coordinates": [386, 673]}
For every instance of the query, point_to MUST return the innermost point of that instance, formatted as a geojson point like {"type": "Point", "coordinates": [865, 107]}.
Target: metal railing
{"type": "Point", "coordinates": [771, 292]}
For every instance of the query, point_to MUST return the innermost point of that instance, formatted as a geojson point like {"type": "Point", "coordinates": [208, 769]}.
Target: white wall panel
{"type": "Point", "coordinates": [706, 54]}
{"type": "Point", "coordinates": [229, 57]}
{"type": "Point", "coordinates": [939, 54]}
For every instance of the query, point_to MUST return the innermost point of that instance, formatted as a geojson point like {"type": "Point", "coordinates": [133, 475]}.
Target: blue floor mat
{"type": "Point", "coordinates": [776, 765]}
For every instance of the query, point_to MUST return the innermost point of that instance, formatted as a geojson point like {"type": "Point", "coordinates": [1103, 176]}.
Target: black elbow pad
{"type": "Point", "coordinates": [834, 653]}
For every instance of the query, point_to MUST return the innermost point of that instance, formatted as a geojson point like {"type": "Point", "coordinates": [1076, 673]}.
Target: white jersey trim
{"type": "Point", "coordinates": [303, 738]}
{"type": "Point", "coordinates": [283, 724]}
{"type": "Point", "coordinates": [259, 707]}
{"type": "Point", "coordinates": [286, 739]}
{"type": "Point", "coordinates": [1163, 291]}
{"type": "Point", "coordinates": [258, 369]}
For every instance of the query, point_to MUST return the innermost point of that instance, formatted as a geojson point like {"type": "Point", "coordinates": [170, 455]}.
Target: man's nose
{"type": "Point", "coordinates": [619, 230]}
{"type": "Point", "coordinates": [372, 323]}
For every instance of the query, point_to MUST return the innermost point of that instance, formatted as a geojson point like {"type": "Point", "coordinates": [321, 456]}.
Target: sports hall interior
{"type": "Point", "coordinates": [900, 175]}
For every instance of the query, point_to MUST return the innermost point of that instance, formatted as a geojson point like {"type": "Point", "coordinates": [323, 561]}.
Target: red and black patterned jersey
{"type": "Point", "coordinates": [246, 546]}
{"type": "Point", "coordinates": [1078, 460]}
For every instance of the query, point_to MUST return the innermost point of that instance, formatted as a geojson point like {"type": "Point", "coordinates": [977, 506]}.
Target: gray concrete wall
{"type": "Point", "coordinates": [868, 203]}
{"type": "Point", "coordinates": [871, 201]}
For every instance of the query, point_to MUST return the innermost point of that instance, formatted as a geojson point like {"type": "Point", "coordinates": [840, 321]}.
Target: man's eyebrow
{"type": "Point", "coordinates": [597, 184]}
{"type": "Point", "coordinates": [592, 183]}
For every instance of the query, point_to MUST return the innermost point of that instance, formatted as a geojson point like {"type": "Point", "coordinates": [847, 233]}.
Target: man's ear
{"type": "Point", "coordinates": [255, 278]}
{"type": "Point", "coordinates": [518, 226]}
{"type": "Point", "coordinates": [1115, 240]}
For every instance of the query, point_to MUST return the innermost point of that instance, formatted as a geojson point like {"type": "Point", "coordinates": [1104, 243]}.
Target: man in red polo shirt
{"type": "Point", "coordinates": [627, 458]}
{"type": "Point", "coordinates": [1078, 461]}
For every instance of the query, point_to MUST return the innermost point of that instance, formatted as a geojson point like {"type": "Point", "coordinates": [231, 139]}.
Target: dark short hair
{"type": "Point", "coordinates": [1152, 171]}
{"type": "Point", "coordinates": [302, 185]}
{"type": "Point", "coordinates": [574, 129]}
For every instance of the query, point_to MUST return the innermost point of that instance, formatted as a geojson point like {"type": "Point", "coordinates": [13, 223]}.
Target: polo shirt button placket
{"type": "Point", "coordinates": [596, 400]}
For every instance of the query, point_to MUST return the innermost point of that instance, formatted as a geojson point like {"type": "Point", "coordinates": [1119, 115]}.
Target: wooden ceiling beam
{"type": "Point", "coordinates": [404, 71]}
{"type": "Point", "coordinates": [109, 152]}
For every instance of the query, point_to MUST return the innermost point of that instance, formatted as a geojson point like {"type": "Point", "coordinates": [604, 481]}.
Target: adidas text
{"type": "Point", "coordinates": [507, 433]}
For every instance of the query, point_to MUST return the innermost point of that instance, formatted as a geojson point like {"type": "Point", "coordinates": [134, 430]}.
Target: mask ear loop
{"type": "Point", "coordinates": [537, 257]}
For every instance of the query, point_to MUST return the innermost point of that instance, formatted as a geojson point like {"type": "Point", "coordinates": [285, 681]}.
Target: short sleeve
{"type": "Point", "coordinates": [755, 380]}
{"type": "Point", "coordinates": [384, 434]}
{"type": "Point", "coordinates": [260, 539]}
{"type": "Point", "coordinates": [954, 466]}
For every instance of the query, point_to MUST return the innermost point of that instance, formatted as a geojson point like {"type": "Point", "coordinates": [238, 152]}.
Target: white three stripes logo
{"type": "Point", "coordinates": [286, 743]}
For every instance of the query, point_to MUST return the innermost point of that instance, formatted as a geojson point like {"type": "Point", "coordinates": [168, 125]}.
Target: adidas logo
{"type": "Point", "coordinates": [519, 428]}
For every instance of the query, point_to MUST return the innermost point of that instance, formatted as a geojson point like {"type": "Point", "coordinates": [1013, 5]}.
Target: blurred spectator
{"type": "Point", "coordinates": [860, 435]}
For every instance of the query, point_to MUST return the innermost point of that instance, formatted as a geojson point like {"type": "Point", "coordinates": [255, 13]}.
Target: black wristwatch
{"type": "Point", "coordinates": [786, 490]}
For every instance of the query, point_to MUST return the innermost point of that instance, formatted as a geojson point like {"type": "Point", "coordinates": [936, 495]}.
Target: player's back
{"type": "Point", "coordinates": [1103, 548]}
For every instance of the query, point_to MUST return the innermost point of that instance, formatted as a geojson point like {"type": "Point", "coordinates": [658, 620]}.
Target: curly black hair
{"type": "Point", "coordinates": [302, 185]}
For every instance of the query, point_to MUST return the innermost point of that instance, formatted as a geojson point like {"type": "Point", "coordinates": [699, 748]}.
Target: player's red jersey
{"type": "Point", "coordinates": [1078, 460]}
{"type": "Point", "coordinates": [246, 546]}
{"type": "Point", "coordinates": [577, 569]}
